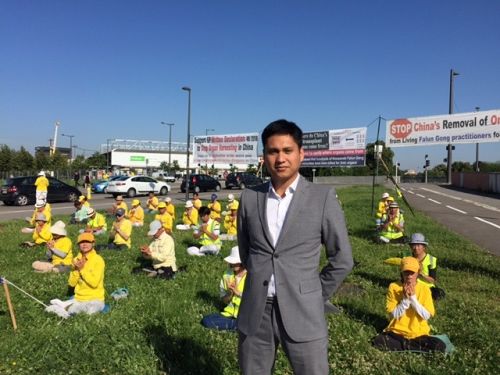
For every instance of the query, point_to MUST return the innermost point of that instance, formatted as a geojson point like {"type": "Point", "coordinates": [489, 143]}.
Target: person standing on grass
{"type": "Point", "coordinates": [160, 254]}
{"type": "Point", "coordinates": [428, 265]}
{"type": "Point", "coordinates": [87, 278]}
{"type": "Point", "coordinates": [59, 251]}
{"type": "Point", "coordinates": [41, 185]}
{"type": "Point", "coordinates": [121, 232]}
{"type": "Point", "coordinates": [76, 178]}
{"type": "Point", "coordinates": [410, 306]}
{"type": "Point", "coordinates": [282, 227]}
{"type": "Point", "coordinates": [231, 289]}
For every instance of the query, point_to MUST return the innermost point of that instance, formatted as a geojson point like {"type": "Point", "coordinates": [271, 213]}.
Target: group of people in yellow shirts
{"type": "Point", "coordinates": [410, 301]}
{"type": "Point", "coordinates": [87, 268]}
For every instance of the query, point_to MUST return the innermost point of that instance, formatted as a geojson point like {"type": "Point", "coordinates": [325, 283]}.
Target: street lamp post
{"type": "Point", "coordinates": [107, 155]}
{"type": "Point", "coordinates": [170, 124]}
{"type": "Point", "coordinates": [70, 145]}
{"type": "Point", "coordinates": [477, 150]}
{"type": "Point", "coordinates": [453, 74]}
{"type": "Point", "coordinates": [206, 135]}
{"type": "Point", "coordinates": [188, 89]}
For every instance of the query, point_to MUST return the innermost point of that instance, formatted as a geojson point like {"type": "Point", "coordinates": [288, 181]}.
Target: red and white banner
{"type": "Point", "coordinates": [471, 127]}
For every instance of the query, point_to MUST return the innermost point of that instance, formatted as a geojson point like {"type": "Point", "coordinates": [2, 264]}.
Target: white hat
{"type": "Point", "coordinates": [230, 197]}
{"type": "Point", "coordinates": [41, 173]}
{"type": "Point", "coordinates": [90, 212]}
{"type": "Point", "coordinates": [40, 203]}
{"type": "Point", "coordinates": [234, 257]}
{"type": "Point", "coordinates": [168, 199]}
{"type": "Point", "coordinates": [153, 227]}
{"type": "Point", "coordinates": [58, 228]}
{"type": "Point", "coordinates": [385, 195]}
{"type": "Point", "coordinates": [188, 204]}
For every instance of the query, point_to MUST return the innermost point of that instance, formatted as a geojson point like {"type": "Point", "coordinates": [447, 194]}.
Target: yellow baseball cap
{"type": "Point", "coordinates": [86, 237]}
{"type": "Point", "coordinates": [136, 202]}
{"type": "Point", "coordinates": [162, 205]}
{"type": "Point", "coordinates": [410, 264]}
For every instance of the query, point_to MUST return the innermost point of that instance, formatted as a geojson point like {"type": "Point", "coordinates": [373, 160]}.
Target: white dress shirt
{"type": "Point", "coordinates": [277, 207]}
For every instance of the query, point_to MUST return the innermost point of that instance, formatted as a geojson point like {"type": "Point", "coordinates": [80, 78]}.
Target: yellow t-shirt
{"type": "Point", "coordinates": [63, 244]}
{"type": "Point", "coordinates": [136, 215]}
{"type": "Point", "coordinates": [166, 221]}
{"type": "Point", "coordinates": [410, 324]}
{"type": "Point", "coordinates": [153, 203]}
{"type": "Point", "coordinates": [230, 224]}
{"type": "Point", "coordinates": [215, 210]}
{"type": "Point", "coordinates": [97, 222]}
{"type": "Point", "coordinates": [122, 205]}
{"type": "Point", "coordinates": [126, 228]}
{"type": "Point", "coordinates": [41, 183]}
{"type": "Point", "coordinates": [171, 210]}
{"type": "Point", "coordinates": [44, 235]}
{"type": "Point", "coordinates": [89, 282]}
{"type": "Point", "coordinates": [191, 219]}
{"type": "Point", "coordinates": [197, 203]}
{"type": "Point", "coordinates": [46, 211]}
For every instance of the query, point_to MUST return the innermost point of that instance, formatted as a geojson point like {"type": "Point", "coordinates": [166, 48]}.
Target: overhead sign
{"type": "Point", "coordinates": [471, 127]}
{"type": "Point", "coordinates": [228, 149]}
{"type": "Point", "coordinates": [335, 148]}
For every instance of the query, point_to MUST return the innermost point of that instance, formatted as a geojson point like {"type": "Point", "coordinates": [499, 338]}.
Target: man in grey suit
{"type": "Point", "coordinates": [282, 226]}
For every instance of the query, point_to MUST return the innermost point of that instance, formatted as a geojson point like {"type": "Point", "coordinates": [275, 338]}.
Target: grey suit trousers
{"type": "Point", "coordinates": [257, 353]}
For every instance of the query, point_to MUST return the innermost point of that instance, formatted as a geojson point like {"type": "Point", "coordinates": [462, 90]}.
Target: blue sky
{"type": "Point", "coordinates": [114, 69]}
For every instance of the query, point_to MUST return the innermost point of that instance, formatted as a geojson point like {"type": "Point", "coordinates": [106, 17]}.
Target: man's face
{"type": "Point", "coordinates": [417, 249]}
{"type": "Point", "coordinates": [283, 158]}
{"type": "Point", "coordinates": [205, 218]}
{"type": "Point", "coordinates": [85, 246]}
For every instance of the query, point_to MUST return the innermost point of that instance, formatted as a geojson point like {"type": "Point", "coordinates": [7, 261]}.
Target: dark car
{"type": "Point", "coordinates": [21, 191]}
{"type": "Point", "coordinates": [242, 180]}
{"type": "Point", "coordinates": [200, 182]}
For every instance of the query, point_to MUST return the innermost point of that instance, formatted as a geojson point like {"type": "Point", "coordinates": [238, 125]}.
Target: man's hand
{"type": "Point", "coordinates": [145, 250]}
{"type": "Point", "coordinates": [50, 244]}
{"type": "Point", "coordinates": [80, 263]}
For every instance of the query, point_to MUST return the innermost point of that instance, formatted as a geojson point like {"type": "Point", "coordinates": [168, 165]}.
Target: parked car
{"type": "Point", "coordinates": [163, 176]}
{"type": "Point", "coordinates": [200, 182]}
{"type": "Point", "coordinates": [242, 180]}
{"type": "Point", "coordinates": [137, 185]}
{"type": "Point", "coordinates": [101, 186]}
{"type": "Point", "coordinates": [21, 191]}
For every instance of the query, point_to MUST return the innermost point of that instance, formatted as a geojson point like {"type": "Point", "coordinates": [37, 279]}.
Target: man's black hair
{"type": "Point", "coordinates": [282, 127]}
{"type": "Point", "coordinates": [204, 210]}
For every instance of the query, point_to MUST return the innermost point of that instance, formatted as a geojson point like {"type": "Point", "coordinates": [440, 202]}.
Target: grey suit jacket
{"type": "Point", "coordinates": [314, 218]}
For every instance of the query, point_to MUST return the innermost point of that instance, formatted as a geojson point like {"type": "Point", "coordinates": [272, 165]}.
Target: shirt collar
{"type": "Point", "coordinates": [290, 190]}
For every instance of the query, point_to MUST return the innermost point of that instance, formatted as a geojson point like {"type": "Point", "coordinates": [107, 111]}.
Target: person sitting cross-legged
{"type": "Point", "coordinates": [170, 208]}
{"type": "Point", "coordinates": [96, 223]}
{"type": "Point", "coordinates": [164, 217]}
{"type": "Point", "coordinates": [121, 232]}
{"type": "Point", "coordinates": [41, 207]}
{"type": "Point", "coordinates": [81, 214]}
{"type": "Point", "coordinates": [392, 227]}
{"type": "Point", "coordinates": [189, 217]}
{"type": "Point", "coordinates": [159, 256]}
{"type": "Point", "coordinates": [409, 305]}
{"type": "Point", "coordinates": [59, 251]}
{"type": "Point", "coordinates": [230, 223]}
{"type": "Point", "coordinates": [136, 214]}
{"type": "Point", "coordinates": [152, 203]}
{"type": "Point", "coordinates": [231, 289]}
{"type": "Point", "coordinates": [207, 235]}
{"type": "Point", "coordinates": [41, 234]}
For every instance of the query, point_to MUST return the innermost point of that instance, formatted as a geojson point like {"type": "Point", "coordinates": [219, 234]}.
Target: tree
{"type": "Point", "coordinates": [6, 158]}
{"type": "Point", "coordinates": [42, 161]}
{"type": "Point", "coordinates": [97, 160]}
{"type": "Point", "coordinates": [79, 163]}
{"type": "Point", "coordinates": [58, 162]}
{"type": "Point", "coordinates": [23, 160]}
{"type": "Point", "coordinates": [164, 166]}
{"type": "Point", "coordinates": [175, 166]}
{"type": "Point", "coordinates": [252, 168]}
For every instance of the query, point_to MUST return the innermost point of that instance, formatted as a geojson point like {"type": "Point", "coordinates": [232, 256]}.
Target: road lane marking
{"type": "Point", "coordinates": [487, 222]}
{"type": "Point", "coordinates": [432, 200]}
{"type": "Point", "coordinates": [485, 206]}
{"type": "Point", "coordinates": [456, 209]}
{"type": "Point", "coordinates": [421, 196]}
{"type": "Point", "coordinates": [411, 192]}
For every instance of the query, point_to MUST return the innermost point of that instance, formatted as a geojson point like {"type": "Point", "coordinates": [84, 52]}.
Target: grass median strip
{"type": "Point", "coordinates": [156, 329]}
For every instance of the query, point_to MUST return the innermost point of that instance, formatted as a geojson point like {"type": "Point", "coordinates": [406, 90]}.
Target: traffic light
{"type": "Point", "coordinates": [427, 163]}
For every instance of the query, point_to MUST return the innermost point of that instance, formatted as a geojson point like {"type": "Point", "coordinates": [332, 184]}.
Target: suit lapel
{"type": "Point", "coordinates": [262, 208]}
{"type": "Point", "coordinates": [295, 207]}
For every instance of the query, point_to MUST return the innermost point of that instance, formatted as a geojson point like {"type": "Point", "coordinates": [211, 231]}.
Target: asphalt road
{"type": "Point", "coordinates": [475, 216]}
{"type": "Point", "coordinates": [104, 201]}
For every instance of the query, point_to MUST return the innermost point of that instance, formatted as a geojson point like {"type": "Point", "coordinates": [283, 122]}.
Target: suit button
{"type": "Point", "coordinates": [276, 256]}
{"type": "Point", "coordinates": [265, 283]}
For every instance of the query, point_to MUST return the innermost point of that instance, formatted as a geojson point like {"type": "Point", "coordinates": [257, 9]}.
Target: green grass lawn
{"type": "Point", "coordinates": [157, 328]}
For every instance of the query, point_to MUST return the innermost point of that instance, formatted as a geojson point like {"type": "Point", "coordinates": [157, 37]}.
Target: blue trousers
{"type": "Point", "coordinates": [219, 322]}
